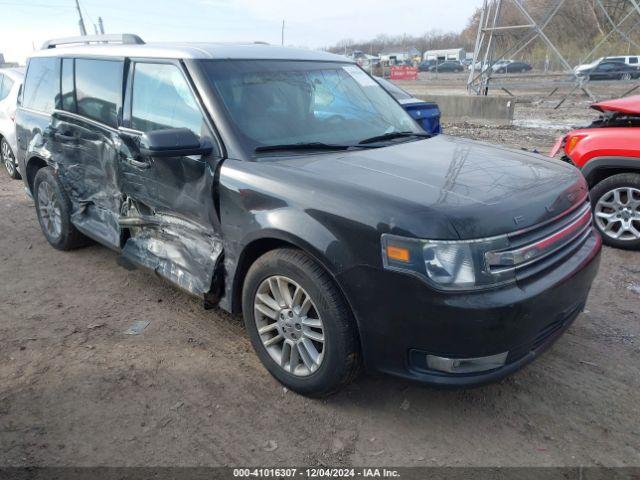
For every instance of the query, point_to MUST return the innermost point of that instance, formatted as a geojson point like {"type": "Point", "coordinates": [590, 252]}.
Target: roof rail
{"type": "Point", "coordinates": [122, 38]}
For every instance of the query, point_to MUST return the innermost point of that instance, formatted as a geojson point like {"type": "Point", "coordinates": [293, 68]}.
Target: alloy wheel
{"type": "Point", "coordinates": [49, 208]}
{"type": "Point", "coordinates": [289, 325]}
{"type": "Point", "coordinates": [617, 214]}
{"type": "Point", "coordinates": [7, 158]}
{"type": "Point", "coordinates": [626, 76]}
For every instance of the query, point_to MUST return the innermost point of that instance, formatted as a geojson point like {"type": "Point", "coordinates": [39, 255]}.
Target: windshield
{"type": "Point", "coordinates": [275, 102]}
{"type": "Point", "coordinates": [393, 89]}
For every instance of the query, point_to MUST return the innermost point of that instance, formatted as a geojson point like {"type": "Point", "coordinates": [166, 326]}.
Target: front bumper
{"type": "Point", "coordinates": [401, 320]}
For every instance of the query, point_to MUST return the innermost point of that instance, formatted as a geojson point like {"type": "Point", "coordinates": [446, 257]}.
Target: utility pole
{"type": "Point", "coordinates": [101, 25]}
{"type": "Point", "coordinates": [282, 37]}
{"type": "Point", "coordinates": [83, 30]}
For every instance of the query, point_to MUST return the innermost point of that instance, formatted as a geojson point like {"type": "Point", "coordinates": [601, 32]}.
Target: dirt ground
{"type": "Point", "coordinates": [188, 390]}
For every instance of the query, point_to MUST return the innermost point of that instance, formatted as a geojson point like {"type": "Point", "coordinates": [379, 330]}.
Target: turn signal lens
{"type": "Point", "coordinates": [571, 143]}
{"type": "Point", "coordinates": [398, 253]}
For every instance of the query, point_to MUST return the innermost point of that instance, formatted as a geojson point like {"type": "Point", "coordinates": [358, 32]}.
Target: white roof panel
{"type": "Point", "coordinates": [253, 51]}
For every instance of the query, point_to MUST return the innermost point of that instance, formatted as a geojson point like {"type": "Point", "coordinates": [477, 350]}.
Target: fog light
{"type": "Point", "coordinates": [466, 365]}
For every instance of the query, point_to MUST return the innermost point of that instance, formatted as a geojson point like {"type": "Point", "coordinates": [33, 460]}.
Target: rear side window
{"type": "Point", "coordinates": [67, 86]}
{"type": "Point", "coordinates": [162, 99]}
{"type": "Point", "coordinates": [5, 86]}
{"type": "Point", "coordinates": [99, 89]}
{"type": "Point", "coordinates": [633, 60]}
{"type": "Point", "coordinates": [42, 84]}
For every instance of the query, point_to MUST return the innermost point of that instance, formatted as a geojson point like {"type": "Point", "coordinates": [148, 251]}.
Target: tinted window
{"type": "Point", "coordinates": [162, 99]}
{"type": "Point", "coordinates": [98, 89]}
{"type": "Point", "coordinates": [42, 84]}
{"type": "Point", "coordinates": [67, 87]}
{"type": "Point", "coordinates": [633, 60]}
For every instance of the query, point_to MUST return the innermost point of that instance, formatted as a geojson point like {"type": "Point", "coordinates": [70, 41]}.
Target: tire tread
{"type": "Point", "coordinates": [345, 323]}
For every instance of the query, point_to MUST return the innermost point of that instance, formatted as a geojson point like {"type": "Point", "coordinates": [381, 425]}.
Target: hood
{"type": "Point", "coordinates": [482, 190]}
{"type": "Point", "coordinates": [628, 105]}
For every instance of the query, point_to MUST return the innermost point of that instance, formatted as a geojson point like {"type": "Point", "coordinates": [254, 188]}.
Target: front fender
{"type": "Point", "coordinates": [322, 241]}
{"type": "Point", "coordinates": [593, 167]}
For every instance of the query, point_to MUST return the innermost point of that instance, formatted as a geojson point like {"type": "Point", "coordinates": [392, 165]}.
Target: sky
{"type": "Point", "coordinates": [26, 24]}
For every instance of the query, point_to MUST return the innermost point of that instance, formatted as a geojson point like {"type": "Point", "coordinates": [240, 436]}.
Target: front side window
{"type": "Point", "coordinates": [272, 102]}
{"type": "Point", "coordinates": [42, 84]}
{"type": "Point", "coordinates": [162, 99]}
{"type": "Point", "coordinates": [99, 89]}
{"type": "Point", "coordinates": [633, 60]}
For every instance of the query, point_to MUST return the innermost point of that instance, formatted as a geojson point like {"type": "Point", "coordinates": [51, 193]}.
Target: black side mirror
{"type": "Point", "coordinates": [173, 142]}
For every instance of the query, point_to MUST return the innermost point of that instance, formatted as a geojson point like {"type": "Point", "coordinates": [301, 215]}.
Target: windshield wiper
{"type": "Point", "coordinates": [303, 146]}
{"type": "Point", "coordinates": [392, 136]}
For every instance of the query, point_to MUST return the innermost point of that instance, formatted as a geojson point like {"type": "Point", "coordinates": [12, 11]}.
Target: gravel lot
{"type": "Point", "coordinates": [188, 390]}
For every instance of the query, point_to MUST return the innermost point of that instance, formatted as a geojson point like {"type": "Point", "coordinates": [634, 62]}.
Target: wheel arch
{"type": "Point", "coordinates": [272, 240]}
{"type": "Point", "coordinates": [32, 165]}
{"type": "Point", "coordinates": [600, 168]}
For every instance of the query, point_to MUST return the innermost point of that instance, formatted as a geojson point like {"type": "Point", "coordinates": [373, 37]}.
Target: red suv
{"type": "Point", "coordinates": [608, 153]}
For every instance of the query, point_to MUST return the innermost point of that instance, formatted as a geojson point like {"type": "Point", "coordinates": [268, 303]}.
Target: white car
{"type": "Point", "coordinates": [10, 82]}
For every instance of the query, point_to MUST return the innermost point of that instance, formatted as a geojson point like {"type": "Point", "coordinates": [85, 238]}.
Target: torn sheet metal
{"type": "Point", "coordinates": [175, 249]}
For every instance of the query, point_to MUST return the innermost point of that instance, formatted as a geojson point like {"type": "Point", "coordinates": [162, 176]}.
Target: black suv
{"type": "Point", "coordinates": [288, 185]}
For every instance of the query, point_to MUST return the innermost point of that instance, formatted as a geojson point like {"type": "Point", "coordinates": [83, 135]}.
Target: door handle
{"type": "Point", "coordinates": [63, 137]}
{"type": "Point", "coordinates": [137, 164]}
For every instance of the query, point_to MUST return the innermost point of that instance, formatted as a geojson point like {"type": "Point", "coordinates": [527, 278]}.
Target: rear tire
{"type": "Point", "coordinates": [616, 210]}
{"type": "Point", "coordinates": [54, 212]}
{"type": "Point", "coordinates": [327, 322]}
{"type": "Point", "coordinates": [9, 160]}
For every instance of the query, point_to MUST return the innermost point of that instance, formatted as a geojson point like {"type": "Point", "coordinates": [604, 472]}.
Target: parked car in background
{"type": "Point", "coordinates": [512, 67]}
{"type": "Point", "coordinates": [10, 82]}
{"type": "Point", "coordinates": [427, 114]}
{"type": "Point", "coordinates": [425, 65]}
{"type": "Point", "coordinates": [631, 60]}
{"type": "Point", "coordinates": [608, 153]}
{"type": "Point", "coordinates": [288, 185]}
{"type": "Point", "coordinates": [611, 71]}
{"type": "Point", "coordinates": [447, 67]}
{"type": "Point", "coordinates": [479, 66]}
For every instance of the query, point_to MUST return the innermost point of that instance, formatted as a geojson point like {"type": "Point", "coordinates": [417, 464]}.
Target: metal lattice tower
{"type": "Point", "coordinates": [621, 17]}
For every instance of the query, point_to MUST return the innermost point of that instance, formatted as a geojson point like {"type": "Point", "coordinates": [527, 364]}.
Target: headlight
{"type": "Point", "coordinates": [447, 265]}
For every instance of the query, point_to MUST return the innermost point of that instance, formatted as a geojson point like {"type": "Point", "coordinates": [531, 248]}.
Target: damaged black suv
{"type": "Point", "coordinates": [288, 185]}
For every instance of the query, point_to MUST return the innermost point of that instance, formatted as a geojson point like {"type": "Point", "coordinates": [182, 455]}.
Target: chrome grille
{"type": "Point", "coordinates": [543, 242]}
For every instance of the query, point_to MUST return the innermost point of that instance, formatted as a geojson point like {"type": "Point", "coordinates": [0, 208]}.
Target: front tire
{"type": "Point", "coordinates": [54, 212]}
{"type": "Point", "coordinates": [299, 324]}
{"type": "Point", "coordinates": [616, 210]}
{"type": "Point", "coordinates": [9, 160]}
